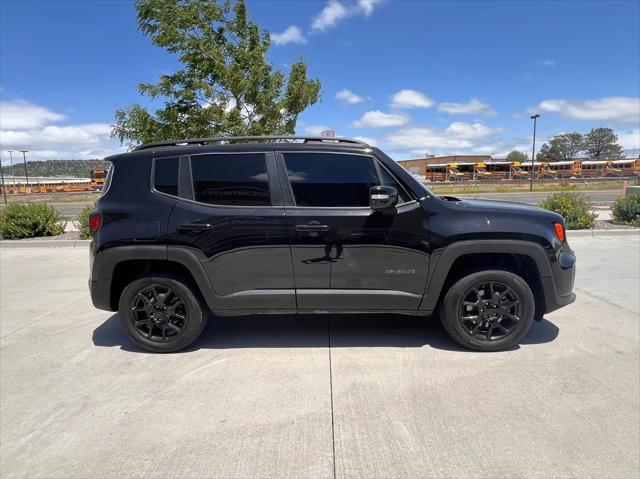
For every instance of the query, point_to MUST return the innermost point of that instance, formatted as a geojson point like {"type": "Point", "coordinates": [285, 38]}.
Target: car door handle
{"type": "Point", "coordinates": [195, 227]}
{"type": "Point", "coordinates": [311, 228]}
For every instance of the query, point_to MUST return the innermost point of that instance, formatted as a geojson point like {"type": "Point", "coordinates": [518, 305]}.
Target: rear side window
{"type": "Point", "coordinates": [107, 181]}
{"type": "Point", "coordinates": [330, 180]}
{"type": "Point", "coordinates": [165, 176]}
{"type": "Point", "coordinates": [231, 179]}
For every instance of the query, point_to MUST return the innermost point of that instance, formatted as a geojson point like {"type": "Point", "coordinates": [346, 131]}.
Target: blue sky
{"type": "Point", "coordinates": [413, 77]}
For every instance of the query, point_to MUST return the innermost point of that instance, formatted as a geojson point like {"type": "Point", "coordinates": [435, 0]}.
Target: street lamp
{"type": "Point", "coordinates": [26, 174]}
{"type": "Point", "coordinates": [533, 150]}
{"type": "Point", "coordinates": [4, 188]}
{"type": "Point", "coordinates": [13, 173]}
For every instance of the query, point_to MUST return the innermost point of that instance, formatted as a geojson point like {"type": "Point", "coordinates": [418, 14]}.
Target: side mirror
{"type": "Point", "coordinates": [382, 197]}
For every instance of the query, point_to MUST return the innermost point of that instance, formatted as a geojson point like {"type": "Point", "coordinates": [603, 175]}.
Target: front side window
{"type": "Point", "coordinates": [231, 179]}
{"type": "Point", "coordinates": [330, 180]}
{"type": "Point", "coordinates": [165, 175]}
{"type": "Point", "coordinates": [389, 180]}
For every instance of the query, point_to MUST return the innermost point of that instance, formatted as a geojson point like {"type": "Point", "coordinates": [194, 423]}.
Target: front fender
{"type": "Point", "coordinates": [443, 259]}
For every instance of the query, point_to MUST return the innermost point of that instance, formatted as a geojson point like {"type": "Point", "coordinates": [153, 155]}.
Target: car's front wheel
{"type": "Point", "coordinates": [488, 310]}
{"type": "Point", "coordinates": [161, 313]}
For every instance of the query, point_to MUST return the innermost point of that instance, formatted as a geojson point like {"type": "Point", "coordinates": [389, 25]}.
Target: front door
{"type": "Point", "coordinates": [345, 255]}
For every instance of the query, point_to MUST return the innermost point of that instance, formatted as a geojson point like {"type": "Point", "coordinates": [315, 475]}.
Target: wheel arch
{"type": "Point", "coordinates": [524, 258]}
{"type": "Point", "coordinates": [118, 266]}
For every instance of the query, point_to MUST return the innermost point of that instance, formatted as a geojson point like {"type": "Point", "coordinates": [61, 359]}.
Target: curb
{"type": "Point", "coordinates": [21, 244]}
{"type": "Point", "coordinates": [600, 233]}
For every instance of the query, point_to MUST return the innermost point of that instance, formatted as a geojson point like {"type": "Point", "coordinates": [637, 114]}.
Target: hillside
{"type": "Point", "coordinates": [76, 168]}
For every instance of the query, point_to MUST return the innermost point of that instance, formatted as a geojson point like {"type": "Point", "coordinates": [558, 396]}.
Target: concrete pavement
{"type": "Point", "coordinates": [317, 396]}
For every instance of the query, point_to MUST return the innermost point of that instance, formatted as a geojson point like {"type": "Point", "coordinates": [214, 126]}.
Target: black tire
{"type": "Point", "coordinates": [512, 298]}
{"type": "Point", "coordinates": [159, 333]}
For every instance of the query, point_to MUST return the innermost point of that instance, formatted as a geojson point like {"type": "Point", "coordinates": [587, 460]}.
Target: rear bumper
{"type": "Point", "coordinates": [101, 294]}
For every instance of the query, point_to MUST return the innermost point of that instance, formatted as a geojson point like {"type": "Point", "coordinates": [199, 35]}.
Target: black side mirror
{"type": "Point", "coordinates": [382, 197]}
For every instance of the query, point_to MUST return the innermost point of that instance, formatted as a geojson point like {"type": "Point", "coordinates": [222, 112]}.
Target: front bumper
{"type": "Point", "coordinates": [558, 288]}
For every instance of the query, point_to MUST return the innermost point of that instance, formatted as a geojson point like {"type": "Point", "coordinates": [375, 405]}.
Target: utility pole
{"type": "Point", "coordinates": [4, 189]}
{"type": "Point", "coordinates": [26, 174]}
{"type": "Point", "coordinates": [13, 173]}
{"type": "Point", "coordinates": [533, 150]}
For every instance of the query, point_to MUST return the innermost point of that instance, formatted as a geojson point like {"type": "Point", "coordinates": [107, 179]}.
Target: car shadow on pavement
{"type": "Point", "coordinates": [315, 331]}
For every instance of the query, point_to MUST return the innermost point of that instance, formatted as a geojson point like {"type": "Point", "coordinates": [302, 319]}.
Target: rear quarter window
{"type": "Point", "coordinates": [165, 175]}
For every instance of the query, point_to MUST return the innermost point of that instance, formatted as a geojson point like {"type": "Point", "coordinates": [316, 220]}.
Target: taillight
{"type": "Point", "coordinates": [559, 231]}
{"type": "Point", "coordinates": [95, 220]}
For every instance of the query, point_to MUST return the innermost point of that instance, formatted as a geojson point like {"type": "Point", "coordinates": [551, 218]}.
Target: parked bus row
{"type": "Point", "coordinates": [56, 185]}
{"type": "Point", "coordinates": [502, 170]}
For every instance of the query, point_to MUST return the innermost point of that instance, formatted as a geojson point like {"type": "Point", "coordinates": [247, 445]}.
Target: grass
{"type": "Point", "coordinates": [524, 187]}
{"type": "Point", "coordinates": [80, 197]}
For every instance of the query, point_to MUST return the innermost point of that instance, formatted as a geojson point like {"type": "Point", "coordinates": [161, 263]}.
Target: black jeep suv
{"type": "Point", "coordinates": [287, 224]}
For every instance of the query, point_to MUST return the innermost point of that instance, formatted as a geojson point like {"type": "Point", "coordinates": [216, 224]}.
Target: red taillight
{"type": "Point", "coordinates": [95, 220]}
{"type": "Point", "coordinates": [559, 231]}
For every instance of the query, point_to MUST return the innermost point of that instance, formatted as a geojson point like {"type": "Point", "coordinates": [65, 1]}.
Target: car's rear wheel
{"type": "Point", "coordinates": [162, 313]}
{"type": "Point", "coordinates": [488, 310]}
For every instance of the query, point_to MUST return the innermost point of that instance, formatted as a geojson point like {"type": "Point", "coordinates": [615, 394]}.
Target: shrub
{"type": "Point", "coordinates": [82, 221]}
{"type": "Point", "coordinates": [573, 207]}
{"type": "Point", "coordinates": [626, 210]}
{"type": "Point", "coordinates": [30, 220]}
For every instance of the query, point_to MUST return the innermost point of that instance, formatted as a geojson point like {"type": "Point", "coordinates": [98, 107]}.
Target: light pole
{"type": "Point", "coordinates": [533, 150]}
{"type": "Point", "coordinates": [26, 174]}
{"type": "Point", "coordinates": [13, 173]}
{"type": "Point", "coordinates": [4, 188]}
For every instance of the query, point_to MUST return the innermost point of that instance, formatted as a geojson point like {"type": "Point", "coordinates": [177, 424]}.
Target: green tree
{"type": "Point", "coordinates": [225, 86]}
{"type": "Point", "coordinates": [516, 155]}
{"type": "Point", "coordinates": [602, 144]}
{"type": "Point", "coordinates": [561, 147]}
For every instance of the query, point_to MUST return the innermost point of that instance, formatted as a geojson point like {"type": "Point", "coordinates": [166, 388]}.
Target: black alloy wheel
{"type": "Point", "coordinates": [159, 313]}
{"type": "Point", "coordinates": [490, 311]}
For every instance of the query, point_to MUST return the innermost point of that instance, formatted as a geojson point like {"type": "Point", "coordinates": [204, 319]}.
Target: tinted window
{"type": "Point", "coordinates": [231, 179]}
{"type": "Point", "coordinates": [165, 177]}
{"type": "Point", "coordinates": [389, 180]}
{"type": "Point", "coordinates": [324, 179]}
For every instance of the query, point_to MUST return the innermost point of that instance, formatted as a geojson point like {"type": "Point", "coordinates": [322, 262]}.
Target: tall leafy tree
{"type": "Point", "coordinates": [516, 155]}
{"type": "Point", "coordinates": [225, 84]}
{"type": "Point", "coordinates": [602, 144]}
{"type": "Point", "coordinates": [561, 147]}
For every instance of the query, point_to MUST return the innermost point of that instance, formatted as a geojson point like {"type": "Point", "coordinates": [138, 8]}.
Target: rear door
{"type": "Point", "coordinates": [230, 213]}
{"type": "Point", "coordinates": [345, 255]}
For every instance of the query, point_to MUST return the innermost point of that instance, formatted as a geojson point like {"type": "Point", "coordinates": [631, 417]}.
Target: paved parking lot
{"type": "Point", "coordinates": [317, 396]}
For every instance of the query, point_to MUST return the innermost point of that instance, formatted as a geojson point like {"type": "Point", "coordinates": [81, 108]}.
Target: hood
{"type": "Point", "coordinates": [497, 207]}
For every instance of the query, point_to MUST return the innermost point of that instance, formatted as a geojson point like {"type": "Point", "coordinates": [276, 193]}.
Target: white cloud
{"type": "Point", "coordinates": [629, 140]}
{"type": "Point", "coordinates": [410, 99]}
{"type": "Point", "coordinates": [548, 63]}
{"type": "Point", "coordinates": [367, 139]}
{"type": "Point", "coordinates": [349, 97]}
{"type": "Point", "coordinates": [330, 15]}
{"type": "Point", "coordinates": [20, 114]}
{"type": "Point", "coordinates": [470, 131]}
{"type": "Point", "coordinates": [614, 108]}
{"type": "Point", "coordinates": [335, 11]}
{"type": "Point", "coordinates": [367, 6]}
{"type": "Point", "coordinates": [457, 136]}
{"type": "Point", "coordinates": [472, 107]}
{"type": "Point", "coordinates": [291, 35]}
{"type": "Point", "coordinates": [26, 126]}
{"type": "Point", "coordinates": [376, 119]}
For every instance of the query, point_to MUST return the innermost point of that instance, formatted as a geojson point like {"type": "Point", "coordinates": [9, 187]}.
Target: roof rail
{"type": "Point", "coordinates": [236, 139]}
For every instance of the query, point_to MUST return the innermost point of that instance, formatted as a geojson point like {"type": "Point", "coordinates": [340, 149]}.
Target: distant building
{"type": "Point", "coordinates": [418, 166]}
